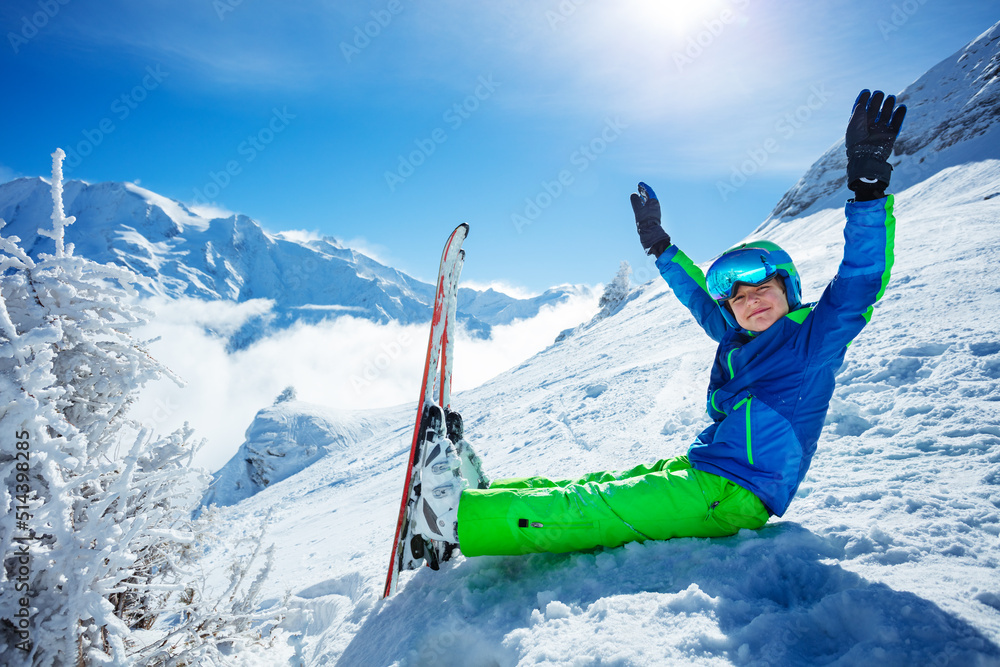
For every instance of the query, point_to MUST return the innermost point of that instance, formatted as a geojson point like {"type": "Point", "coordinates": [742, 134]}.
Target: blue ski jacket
{"type": "Point", "coordinates": [769, 392]}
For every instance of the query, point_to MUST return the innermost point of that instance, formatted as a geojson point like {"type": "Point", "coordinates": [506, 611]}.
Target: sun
{"type": "Point", "coordinates": [672, 20]}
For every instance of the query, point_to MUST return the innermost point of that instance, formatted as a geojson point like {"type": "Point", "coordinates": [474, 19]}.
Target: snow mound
{"type": "Point", "coordinates": [285, 439]}
{"type": "Point", "coordinates": [776, 597]}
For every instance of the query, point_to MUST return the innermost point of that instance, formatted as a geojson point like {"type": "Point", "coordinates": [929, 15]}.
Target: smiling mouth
{"type": "Point", "coordinates": [758, 312]}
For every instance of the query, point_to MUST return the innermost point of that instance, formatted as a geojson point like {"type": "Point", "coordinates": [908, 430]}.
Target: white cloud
{"type": "Point", "coordinates": [476, 360]}
{"type": "Point", "coordinates": [225, 317]}
{"type": "Point", "coordinates": [501, 286]}
{"type": "Point", "coordinates": [330, 307]}
{"type": "Point", "coordinates": [346, 363]}
{"type": "Point", "coordinates": [379, 253]}
{"type": "Point", "coordinates": [300, 235]}
{"type": "Point", "coordinates": [210, 211]}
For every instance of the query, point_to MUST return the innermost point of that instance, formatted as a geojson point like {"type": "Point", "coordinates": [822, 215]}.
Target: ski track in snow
{"type": "Point", "coordinates": [888, 555]}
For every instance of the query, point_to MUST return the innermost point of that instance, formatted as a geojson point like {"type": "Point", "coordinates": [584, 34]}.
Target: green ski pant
{"type": "Point", "coordinates": [667, 499]}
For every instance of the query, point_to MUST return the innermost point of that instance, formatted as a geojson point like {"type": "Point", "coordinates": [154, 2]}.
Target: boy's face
{"type": "Point", "coordinates": [757, 307]}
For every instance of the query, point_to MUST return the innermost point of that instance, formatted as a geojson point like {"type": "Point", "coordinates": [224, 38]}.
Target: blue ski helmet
{"type": "Point", "coordinates": [751, 264]}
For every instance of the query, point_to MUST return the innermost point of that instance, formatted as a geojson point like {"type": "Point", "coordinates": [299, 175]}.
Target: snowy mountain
{"type": "Point", "coordinates": [953, 117]}
{"type": "Point", "coordinates": [185, 254]}
{"type": "Point", "coordinates": [888, 555]}
{"type": "Point", "coordinates": [286, 438]}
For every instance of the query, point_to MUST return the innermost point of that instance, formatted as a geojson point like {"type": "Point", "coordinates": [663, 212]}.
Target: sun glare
{"type": "Point", "coordinates": [674, 19]}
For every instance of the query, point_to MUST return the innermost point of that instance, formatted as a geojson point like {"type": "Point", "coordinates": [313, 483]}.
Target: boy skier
{"type": "Point", "coordinates": [770, 388]}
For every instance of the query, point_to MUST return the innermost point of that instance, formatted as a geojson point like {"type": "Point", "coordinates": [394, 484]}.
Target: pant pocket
{"type": "Point", "coordinates": [740, 507]}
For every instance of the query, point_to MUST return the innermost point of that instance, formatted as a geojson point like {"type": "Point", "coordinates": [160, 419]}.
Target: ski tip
{"type": "Point", "coordinates": [466, 226]}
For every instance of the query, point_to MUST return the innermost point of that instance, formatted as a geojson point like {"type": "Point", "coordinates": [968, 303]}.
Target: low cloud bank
{"type": "Point", "coordinates": [344, 362]}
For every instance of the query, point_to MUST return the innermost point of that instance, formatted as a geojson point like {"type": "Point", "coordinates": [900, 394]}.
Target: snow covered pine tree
{"type": "Point", "coordinates": [616, 292]}
{"type": "Point", "coordinates": [612, 299]}
{"type": "Point", "coordinates": [94, 545]}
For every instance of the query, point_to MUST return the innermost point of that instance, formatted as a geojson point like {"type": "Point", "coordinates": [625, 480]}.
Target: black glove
{"type": "Point", "coordinates": [871, 132]}
{"type": "Point", "coordinates": [646, 207]}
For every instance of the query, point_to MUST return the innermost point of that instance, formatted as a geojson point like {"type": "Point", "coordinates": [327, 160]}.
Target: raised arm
{"type": "Point", "coordinates": [685, 279]}
{"type": "Point", "coordinates": [848, 302]}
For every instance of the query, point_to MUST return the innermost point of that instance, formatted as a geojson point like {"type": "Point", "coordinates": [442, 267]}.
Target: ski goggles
{"type": "Point", "coordinates": [746, 266]}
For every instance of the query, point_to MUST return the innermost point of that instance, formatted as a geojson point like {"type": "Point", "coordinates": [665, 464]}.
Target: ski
{"type": "Point", "coordinates": [407, 549]}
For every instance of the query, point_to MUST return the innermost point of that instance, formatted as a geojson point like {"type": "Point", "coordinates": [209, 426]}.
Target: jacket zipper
{"type": "Point", "coordinates": [748, 400]}
{"type": "Point", "coordinates": [526, 523]}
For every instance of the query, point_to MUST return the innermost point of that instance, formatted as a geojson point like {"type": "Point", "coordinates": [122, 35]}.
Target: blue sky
{"type": "Point", "coordinates": [387, 122]}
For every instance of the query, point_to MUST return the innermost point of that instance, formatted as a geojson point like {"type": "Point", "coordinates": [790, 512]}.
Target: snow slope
{"type": "Point", "coordinates": [185, 254]}
{"type": "Point", "coordinates": [889, 554]}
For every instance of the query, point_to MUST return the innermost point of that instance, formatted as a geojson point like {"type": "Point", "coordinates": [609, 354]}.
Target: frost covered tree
{"type": "Point", "coordinates": [222, 629]}
{"type": "Point", "coordinates": [615, 294]}
{"type": "Point", "coordinates": [96, 541]}
{"type": "Point", "coordinates": [616, 291]}
{"type": "Point", "coordinates": [288, 394]}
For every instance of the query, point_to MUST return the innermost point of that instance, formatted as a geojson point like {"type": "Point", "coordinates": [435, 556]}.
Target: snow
{"type": "Point", "coordinates": [888, 555]}
{"type": "Point", "coordinates": [176, 211]}
{"type": "Point", "coordinates": [284, 439]}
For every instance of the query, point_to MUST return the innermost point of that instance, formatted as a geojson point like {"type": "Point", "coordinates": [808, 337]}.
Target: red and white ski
{"type": "Point", "coordinates": [437, 375]}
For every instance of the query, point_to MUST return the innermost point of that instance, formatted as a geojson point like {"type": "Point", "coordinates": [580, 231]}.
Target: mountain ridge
{"type": "Point", "coordinates": [184, 254]}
